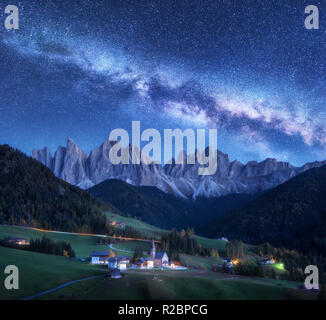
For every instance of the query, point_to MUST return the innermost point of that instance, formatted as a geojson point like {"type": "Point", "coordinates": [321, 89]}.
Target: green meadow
{"type": "Point", "coordinates": [198, 262]}
{"type": "Point", "coordinates": [39, 272]}
{"type": "Point", "coordinates": [212, 243]}
{"type": "Point", "coordinates": [135, 223]}
{"type": "Point", "coordinates": [172, 285]}
{"type": "Point", "coordinates": [132, 245]}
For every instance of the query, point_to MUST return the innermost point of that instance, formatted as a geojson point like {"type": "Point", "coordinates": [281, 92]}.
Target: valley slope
{"type": "Point", "coordinates": [292, 215]}
{"type": "Point", "coordinates": [31, 195]}
{"type": "Point", "coordinates": [165, 210]}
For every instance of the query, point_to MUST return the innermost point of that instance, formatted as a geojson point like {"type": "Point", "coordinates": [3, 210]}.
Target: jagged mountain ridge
{"type": "Point", "coordinates": [84, 170]}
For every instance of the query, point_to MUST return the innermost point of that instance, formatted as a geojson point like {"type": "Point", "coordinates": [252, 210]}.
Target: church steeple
{"type": "Point", "coordinates": [153, 250]}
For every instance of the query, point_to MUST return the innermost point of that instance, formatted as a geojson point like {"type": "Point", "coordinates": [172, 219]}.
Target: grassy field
{"type": "Point", "coordinates": [169, 285]}
{"type": "Point", "coordinates": [132, 245]}
{"type": "Point", "coordinates": [39, 272]}
{"type": "Point", "coordinates": [278, 269]}
{"type": "Point", "coordinates": [199, 262]}
{"type": "Point", "coordinates": [212, 243]}
{"type": "Point", "coordinates": [82, 245]}
{"type": "Point", "coordinates": [137, 224]}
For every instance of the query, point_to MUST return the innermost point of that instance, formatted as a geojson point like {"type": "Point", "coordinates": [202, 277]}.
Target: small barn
{"type": "Point", "coordinates": [115, 273]}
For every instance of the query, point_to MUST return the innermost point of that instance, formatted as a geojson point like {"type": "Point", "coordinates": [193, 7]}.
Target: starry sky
{"type": "Point", "coordinates": [248, 68]}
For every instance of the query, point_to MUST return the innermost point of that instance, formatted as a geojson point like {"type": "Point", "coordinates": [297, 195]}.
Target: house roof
{"type": "Point", "coordinates": [123, 258]}
{"type": "Point", "coordinates": [100, 254]}
{"type": "Point", "coordinates": [141, 260]}
{"type": "Point", "coordinates": [159, 255]}
{"type": "Point", "coordinates": [18, 239]}
{"type": "Point", "coordinates": [118, 258]}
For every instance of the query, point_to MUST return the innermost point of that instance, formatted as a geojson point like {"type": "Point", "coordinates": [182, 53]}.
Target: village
{"type": "Point", "coordinates": [117, 263]}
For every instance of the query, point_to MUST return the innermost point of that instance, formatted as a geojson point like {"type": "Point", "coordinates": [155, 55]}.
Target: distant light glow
{"type": "Point", "coordinates": [279, 266]}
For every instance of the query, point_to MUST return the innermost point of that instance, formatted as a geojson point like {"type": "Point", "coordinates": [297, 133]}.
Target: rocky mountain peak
{"type": "Point", "coordinates": [77, 167]}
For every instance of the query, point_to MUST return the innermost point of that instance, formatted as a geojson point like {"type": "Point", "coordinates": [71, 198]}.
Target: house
{"type": "Point", "coordinates": [159, 258]}
{"type": "Point", "coordinates": [143, 263]}
{"type": "Point", "coordinates": [150, 263]}
{"type": "Point", "coordinates": [117, 224]}
{"type": "Point", "coordinates": [227, 263]}
{"type": "Point", "coordinates": [224, 239]}
{"type": "Point", "coordinates": [18, 241]}
{"type": "Point", "coordinates": [115, 273]}
{"type": "Point", "coordinates": [267, 261]}
{"type": "Point", "coordinates": [123, 262]}
{"type": "Point", "coordinates": [100, 257]}
{"type": "Point", "coordinates": [121, 224]}
{"type": "Point", "coordinates": [118, 262]}
{"type": "Point", "coordinates": [176, 265]}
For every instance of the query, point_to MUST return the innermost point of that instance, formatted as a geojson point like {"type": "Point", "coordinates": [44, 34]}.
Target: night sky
{"type": "Point", "coordinates": [249, 68]}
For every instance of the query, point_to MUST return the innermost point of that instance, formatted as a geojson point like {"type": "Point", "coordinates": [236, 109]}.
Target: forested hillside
{"type": "Point", "coordinates": [292, 215]}
{"type": "Point", "coordinates": [165, 210]}
{"type": "Point", "coordinates": [31, 195]}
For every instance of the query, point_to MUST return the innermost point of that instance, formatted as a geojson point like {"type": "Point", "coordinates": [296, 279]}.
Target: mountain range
{"type": "Point", "coordinates": [84, 170]}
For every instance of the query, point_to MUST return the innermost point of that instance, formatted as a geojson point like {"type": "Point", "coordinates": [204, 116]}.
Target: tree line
{"type": "Point", "coordinates": [44, 245]}
{"type": "Point", "coordinates": [235, 249]}
{"type": "Point", "coordinates": [184, 241]}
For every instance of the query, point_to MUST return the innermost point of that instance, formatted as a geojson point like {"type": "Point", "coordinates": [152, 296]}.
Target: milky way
{"type": "Point", "coordinates": [82, 68]}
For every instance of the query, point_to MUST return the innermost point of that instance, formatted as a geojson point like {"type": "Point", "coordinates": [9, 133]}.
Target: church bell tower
{"type": "Point", "coordinates": [153, 250]}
